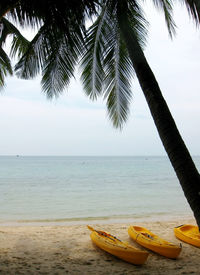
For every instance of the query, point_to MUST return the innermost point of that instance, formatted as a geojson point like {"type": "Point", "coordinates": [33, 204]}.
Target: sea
{"type": "Point", "coordinates": [48, 190]}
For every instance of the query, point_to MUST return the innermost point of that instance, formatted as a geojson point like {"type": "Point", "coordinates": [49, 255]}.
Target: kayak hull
{"type": "Point", "coordinates": [118, 248]}
{"type": "Point", "coordinates": [188, 233]}
{"type": "Point", "coordinates": [153, 242]}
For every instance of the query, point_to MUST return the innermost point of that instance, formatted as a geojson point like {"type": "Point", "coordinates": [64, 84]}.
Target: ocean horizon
{"type": "Point", "coordinates": [81, 189]}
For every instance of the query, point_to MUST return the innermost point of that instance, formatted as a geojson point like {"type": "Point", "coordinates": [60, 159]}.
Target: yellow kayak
{"type": "Point", "coordinates": [120, 249]}
{"type": "Point", "coordinates": [153, 242]}
{"type": "Point", "coordinates": [188, 233]}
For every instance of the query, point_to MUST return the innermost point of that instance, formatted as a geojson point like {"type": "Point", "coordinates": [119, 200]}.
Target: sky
{"type": "Point", "coordinates": [73, 125]}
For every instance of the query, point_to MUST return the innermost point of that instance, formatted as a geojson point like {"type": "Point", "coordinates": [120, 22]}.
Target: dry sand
{"type": "Point", "coordinates": [69, 250]}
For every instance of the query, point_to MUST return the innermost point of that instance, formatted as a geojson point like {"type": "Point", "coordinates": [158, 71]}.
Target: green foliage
{"type": "Point", "coordinates": [62, 41]}
{"type": "Point", "coordinates": [61, 29]}
{"type": "Point", "coordinates": [58, 68]}
{"type": "Point", "coordinates": [92, 61]}
{"type": "Point", "coordinates": [18, 45]}
{"type": "Point", "coordinates": [5, 67]}
{"type": "Point", "coordinates": [106, 66]}
{"type": "Point", "coordinates": [55, 49]}
{"type": "Point", "coordinates": [167, 7]}
{"type": "Point", "coordinates": [193, 7]}
{"type": "Point", "coordinates": [53, 54]}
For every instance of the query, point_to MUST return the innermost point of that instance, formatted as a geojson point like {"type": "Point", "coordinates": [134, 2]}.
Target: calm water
{"type": "Point", "coordinates": [49, 189]}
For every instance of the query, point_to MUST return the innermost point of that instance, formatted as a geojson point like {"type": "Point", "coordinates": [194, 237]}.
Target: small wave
{"type": "Point", "coordinates": [85, 220]}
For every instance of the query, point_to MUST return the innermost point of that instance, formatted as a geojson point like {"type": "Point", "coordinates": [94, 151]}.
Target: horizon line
{"type": "Point", "coordinates": [29, 155]}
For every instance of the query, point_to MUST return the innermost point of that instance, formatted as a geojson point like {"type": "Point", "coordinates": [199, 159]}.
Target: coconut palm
{"type": "Point", "coordinates": [112, 51]}
{"type": "Point", "coordinates": [61, 30]}
{"type": "Point", "coordinates": [115, 48]}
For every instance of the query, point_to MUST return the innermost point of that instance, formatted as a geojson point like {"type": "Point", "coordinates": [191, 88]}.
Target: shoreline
{"type": "Point", "coordinates": [67, 249]}
{"type": "Point", "coordinates": [95, 220]}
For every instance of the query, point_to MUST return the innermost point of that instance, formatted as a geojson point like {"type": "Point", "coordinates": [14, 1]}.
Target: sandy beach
{"type": "Point", "coordinates": [68, 249]}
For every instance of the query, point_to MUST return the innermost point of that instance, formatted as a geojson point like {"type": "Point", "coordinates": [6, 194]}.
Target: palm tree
{"type": "Point", "coordinates": [61, 32]}
{"type": "Point", "coordinates": [115, 48]}
{"type": "Point", "coordinates": [112, 50]}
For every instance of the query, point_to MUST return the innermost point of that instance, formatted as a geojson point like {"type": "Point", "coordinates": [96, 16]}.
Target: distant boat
{"type": "Point", "coordinates": [17, 156]}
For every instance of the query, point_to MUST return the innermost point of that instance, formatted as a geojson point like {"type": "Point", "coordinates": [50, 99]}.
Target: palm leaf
{"type": "Point", "coordinates": [5, 67]}
{"type": "Point", "coordinates": [6, 6]}
{"type": "Point", "coordinates": [7, 29]}
{"type": "Point", "coordinates": [106, 63]}
{"type": "Point", "coordinates": [118, 70]}
{"type": "Point", "coordinates": [19, 43]}
{"type": "Point", "coordinates": [53, 54]}
{"type": "Point", "coordinates": [193, 7]}
{"type": "Point", "coordinates": [34, 13]}
{"type": "Point", "coordinates": [167, 7]}
{"type": "Point", "coordinates": [136, 19]}
{"type": "Point", "coordinates": [36, 53]}
{"type": "Point", "coordinates": [92, 62]}
{"type": "Point", "coordinates": [58, 69]}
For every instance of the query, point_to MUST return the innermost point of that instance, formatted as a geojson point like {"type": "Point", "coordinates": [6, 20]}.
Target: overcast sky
{"type": "Point", "coordinates": [73, 125]}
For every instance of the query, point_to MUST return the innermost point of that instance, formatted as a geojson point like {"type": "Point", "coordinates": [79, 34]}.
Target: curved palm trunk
{"type": "Point", "coordinates": [179, 155]}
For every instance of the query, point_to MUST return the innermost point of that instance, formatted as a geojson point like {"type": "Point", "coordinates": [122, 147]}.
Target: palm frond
{"type": "Point", "coordinates": [118, 70]}
{"type": "Point", "coordinates": [193, 7]}
{"type": "Point", "coordinates": [167, 7]}
{"type": "Point", "coordinates": [106, 64]}
{"type": "Point", "coordinates": [5, 67]}
{"type": "Point", "coordinates": [26, 13]}
{"type": "Point", "coordinates": [92, 68]}
{"type": "Point", "coordinates": [117, 63]}
{"type": "Point", "coordinates": [19, 43]}
{"type": "Point", "coordinates": [137, 21]}
{"type": "Point", "coordinates": [58, 69]}
{"type": "Point", "coordinates": [31, 62]}
{"type": "Point", "coordinates": [34, 13]}
{"type": "Point", "coordinates": [7, 29]}
{"type": "Point", "coordinates": [6, 6]}
{"type": "Point", "coordinates": [53, 54]}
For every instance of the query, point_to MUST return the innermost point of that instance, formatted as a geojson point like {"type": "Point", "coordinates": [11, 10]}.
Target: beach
{"type": "Point", "coordinates": [68, 249]}
{"type": "Point", "coordinates": [47, 202]}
